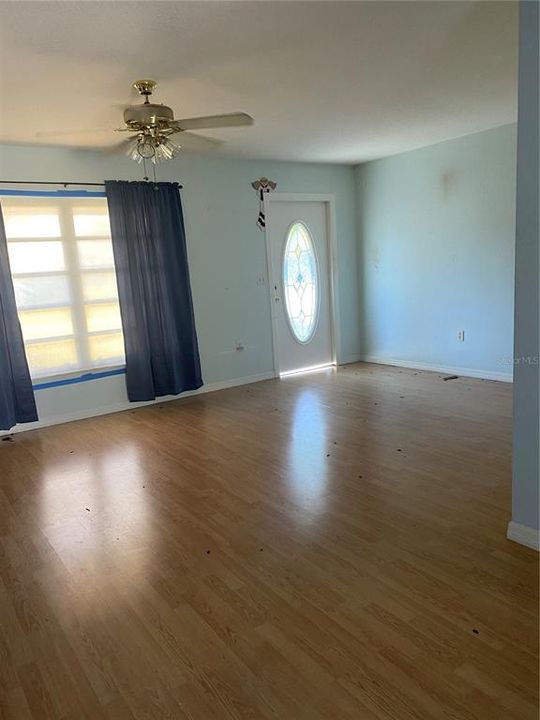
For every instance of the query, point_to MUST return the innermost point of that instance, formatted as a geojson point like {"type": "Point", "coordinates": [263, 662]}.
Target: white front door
{"type": "Point", "coordinates": [299, 255]}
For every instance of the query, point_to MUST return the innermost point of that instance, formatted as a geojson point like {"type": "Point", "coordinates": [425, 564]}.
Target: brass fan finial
{"type": "Point", "coordinates": [145, 87]}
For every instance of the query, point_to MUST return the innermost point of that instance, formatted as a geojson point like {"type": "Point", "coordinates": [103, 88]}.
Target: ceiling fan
{"type": "Point", "coordinates": [153, 124]}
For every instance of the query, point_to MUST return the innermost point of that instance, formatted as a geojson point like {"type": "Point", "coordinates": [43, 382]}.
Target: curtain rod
{"type": "Point", "coordinates": [65, 184]}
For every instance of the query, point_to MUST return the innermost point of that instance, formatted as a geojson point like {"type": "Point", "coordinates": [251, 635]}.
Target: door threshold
{"type": "Point", "coordinates": [306, 370]}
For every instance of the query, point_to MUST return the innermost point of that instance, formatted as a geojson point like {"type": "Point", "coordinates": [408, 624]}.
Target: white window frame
{"type": "Point", "coordinates": [73, 272]}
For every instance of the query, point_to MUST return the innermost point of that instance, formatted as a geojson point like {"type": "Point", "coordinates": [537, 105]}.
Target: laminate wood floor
{"type": "Point", "coordinates": [328, 546]}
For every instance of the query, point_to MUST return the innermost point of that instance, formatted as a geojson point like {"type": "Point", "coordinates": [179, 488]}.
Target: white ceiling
{"type": "Point", "coordinates": [325, 81]}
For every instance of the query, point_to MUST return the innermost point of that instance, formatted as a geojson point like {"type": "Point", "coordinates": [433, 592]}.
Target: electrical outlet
{"type": "Point", "coordinates": [461, 336]}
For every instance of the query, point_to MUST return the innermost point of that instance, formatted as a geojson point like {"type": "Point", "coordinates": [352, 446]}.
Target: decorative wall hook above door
{"type": "Point", "coordinates": [262, 186]}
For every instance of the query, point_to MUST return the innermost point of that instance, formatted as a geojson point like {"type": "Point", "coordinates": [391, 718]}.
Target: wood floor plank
{"type": "Point", "coordinates": [325, 546]}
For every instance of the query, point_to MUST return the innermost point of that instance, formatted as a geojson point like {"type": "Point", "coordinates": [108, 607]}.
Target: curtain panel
{"type": "Point", "coordinates": [17, 404]}
{"type": "Point", "coordinates": [149, 244]}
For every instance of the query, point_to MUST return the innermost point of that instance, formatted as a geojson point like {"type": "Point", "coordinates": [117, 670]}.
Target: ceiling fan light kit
{"type": "Point", "coordinates": [153, 148]}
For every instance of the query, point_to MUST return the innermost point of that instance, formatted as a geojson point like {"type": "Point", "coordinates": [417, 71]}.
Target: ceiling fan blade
{"type": "Point", "coordinates": [189, 141]}
{"type": "Point", "coordinates": [214, 121]}
{"type": "Point", "coordinates": [61, 133]}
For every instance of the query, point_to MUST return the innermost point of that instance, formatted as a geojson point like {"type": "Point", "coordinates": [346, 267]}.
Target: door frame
{"type": "Point", "coordinates": [331, 236]}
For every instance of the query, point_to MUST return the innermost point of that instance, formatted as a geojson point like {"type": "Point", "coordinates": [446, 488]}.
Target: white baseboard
{"type": "Point", "coordinates": [523, 535]}
{"type": "Point", "coordinates": [120, 407]}
{"type": "Point", "coordinates": [446, 369]}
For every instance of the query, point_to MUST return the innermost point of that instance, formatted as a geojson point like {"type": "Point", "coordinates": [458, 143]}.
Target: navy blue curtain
{"type": "Point", "coordinates": [17, 404]}
{"type": "Point", "coordinates": [149, 243]}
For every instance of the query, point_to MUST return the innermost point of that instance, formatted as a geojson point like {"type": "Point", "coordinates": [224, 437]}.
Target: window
{"type": "Point", "coordinates": [61, 259]}
{"type": "Point", "coordinates": [300, 282]}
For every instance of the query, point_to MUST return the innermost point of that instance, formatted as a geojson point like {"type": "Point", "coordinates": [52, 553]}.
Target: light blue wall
{"type": "Point", "coordinates": [425, 248]}
{"type": "Point", "coordinates": [226, 253]}
{"type": "Point", "coordinates": [436, 254]}
{"type": "Point", "coordinates": [525, 494]}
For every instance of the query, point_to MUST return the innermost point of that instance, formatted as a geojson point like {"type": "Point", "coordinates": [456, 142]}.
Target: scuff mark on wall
{"type": "Point", "coordinates": [448, 180]}
{"type": "Point", "coordinates": [375, 257]}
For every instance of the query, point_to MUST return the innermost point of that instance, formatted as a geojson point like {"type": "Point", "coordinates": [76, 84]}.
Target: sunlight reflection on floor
{"type": "Point", "coordinates": [103, 515]}
{"type": "Point", "coordinates": [308, 449]}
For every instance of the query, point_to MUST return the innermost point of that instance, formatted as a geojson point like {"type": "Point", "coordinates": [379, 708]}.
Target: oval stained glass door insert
{"type": "Point", "coordinates": [300, 282]}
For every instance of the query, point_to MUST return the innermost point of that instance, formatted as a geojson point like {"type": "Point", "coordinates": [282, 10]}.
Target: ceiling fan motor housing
{"type": "Point", "coordinates": [147, 115]}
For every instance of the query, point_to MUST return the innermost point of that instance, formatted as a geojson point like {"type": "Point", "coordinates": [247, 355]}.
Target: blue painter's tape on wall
{"type": "Point", "coordinates": [79, 379]}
